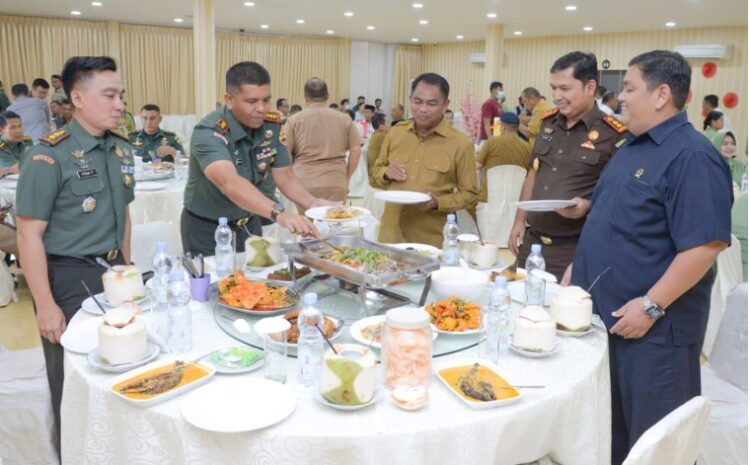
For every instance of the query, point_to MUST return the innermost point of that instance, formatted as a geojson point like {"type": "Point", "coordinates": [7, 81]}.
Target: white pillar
{"type": "Point", "coordinates": [493, 55]}
{"type": "Point", "coordinates": [204, 57]}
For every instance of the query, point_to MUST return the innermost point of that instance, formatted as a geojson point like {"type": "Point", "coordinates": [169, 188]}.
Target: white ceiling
{"type": "Point", "coordinates": [398, 21]}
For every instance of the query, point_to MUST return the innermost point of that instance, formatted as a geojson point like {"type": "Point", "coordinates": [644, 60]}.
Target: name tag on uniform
{"type": "Point", "coordinates": [86, 174]}
{"type": "Point", "coordinates": [546, 137]}
{"type": "Point", "coordinates": [238, 161]}
{"type": "Point", "coordinates": [127, 169]}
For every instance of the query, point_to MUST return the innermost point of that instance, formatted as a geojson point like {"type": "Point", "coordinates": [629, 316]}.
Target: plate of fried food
{"type": "Point", "coordinates": [337, 214]}
{"type": "Point", "coordinates": [455, 316]}
{"type": "Point", "coordinates": [477, 383]}
{"type": "Point", "coordinates": [332, 327]}
{"type": "Point", "coordinates": [257, 297]}
{"type": "Point", "coordinates": [283, 274]}
{"type": "Point", "coordinates": [159, 381]}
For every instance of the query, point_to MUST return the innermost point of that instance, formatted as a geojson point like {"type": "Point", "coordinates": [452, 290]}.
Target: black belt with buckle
{"type": "Point", "coordinates": [554, 240]}
{"type": "Point", "coordinates": [237, 222]}
{"type": "Point", "coordinates": [87, 259]}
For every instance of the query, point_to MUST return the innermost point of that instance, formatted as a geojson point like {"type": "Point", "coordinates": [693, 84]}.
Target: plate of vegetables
{"type": "Point", "coordinates": [455, 316]}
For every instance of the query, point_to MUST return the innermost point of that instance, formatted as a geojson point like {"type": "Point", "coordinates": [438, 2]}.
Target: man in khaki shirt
{"type": "Point", "coordinates": [317, 139]}
{"type": "Point", "coordinates": [538, 106]}
{"type": "Point", "coordinates": [509, 148]}
{"type": "Point", "coordinates": [426, 155]}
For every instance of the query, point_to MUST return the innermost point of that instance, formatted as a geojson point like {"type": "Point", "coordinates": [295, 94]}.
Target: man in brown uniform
{"type": "Point", "coordinates": [576, 140]}
{"type": "Point", "coordinates": [425, 154]}
{"type": "Point", "coordinates": [509, 148]}
{"type": "Point", "coordinates": [317, 140]}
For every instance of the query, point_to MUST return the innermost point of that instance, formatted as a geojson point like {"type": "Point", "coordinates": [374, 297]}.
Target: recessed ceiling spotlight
{"type": "Point", "coordinates": [370, 28]}
{"type": "Point", "coordinates": [492, 15]}
{"type": "Point", "coordinates": [423, 22]}
{"type": "Point", "coordinates": [460, 37]}
{"type": "Point", "coordinates": [571, 8]}
{"type": "Point", "coordinates": [330, 31]}
{"type": "Point", "coordinates": [414, 39]}
{"type": "Point", "coordinates": [517, 33]}
{"type": "Point", "coordinates": [588, 28]}
{"type": "Point", "coordinates": [416, 5]}
{"type": "Point", "coordinates": [75, 13]}
{"type": "Point", "coordinates": [300, 21]}
{"type": "Point", "coordinates": [178, 20]}
{"type": "Point", "coordinates": [348, 14]}
{"type": "Point", "coordinates": [670, 24]}
{"type": "Point", "coordinates": [97, 3]}
{"type": "Point", "coordinates": [249, 4]}
{"type": "Point", "coordinates": [264, 26]}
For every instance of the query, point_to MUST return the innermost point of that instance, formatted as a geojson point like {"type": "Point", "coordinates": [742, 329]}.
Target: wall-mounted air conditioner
{"type": "Point", "coordinates": [477, 58]}
{"type": "Point", "coordinates": [714, 52]}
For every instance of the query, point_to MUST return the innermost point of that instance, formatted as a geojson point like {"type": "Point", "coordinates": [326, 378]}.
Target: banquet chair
{"type": "Point", "coordinates": [496, 216]}
{"type": "Point", "coordinates": [728, 276]}
{"type": "Point", "coordinates": [724, 383]}
{"type": "Point", "coordinates": [143, 239]}
{"type": "Point", "coordinates": [675, 439]}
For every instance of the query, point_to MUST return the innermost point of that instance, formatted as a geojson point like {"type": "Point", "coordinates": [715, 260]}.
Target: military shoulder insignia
{"type": "Point", "coordinates": [549, 114]}
{"type": "Point", "coordinates": [614, 123]}
{"type": "Point", "coordinates": [54, 138]}
{"type": "Point", "coordinates": [45, 158]}
{"type": "Point", "coordinates": [222, 125]}
{"type": "Point", "coordinates": [272, 117]}
{"type": "Point", "coordinates": [121, 134]}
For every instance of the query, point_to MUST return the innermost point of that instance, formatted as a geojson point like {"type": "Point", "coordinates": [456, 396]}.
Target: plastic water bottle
{"type": "Point", "coordinates": [497, 321]}
{"type": "Point", "coordinates": [224, 252]}
{"type": "Point", "coordinates": [180, 339]}
{"type": "Point", "coordinates": [535, 283]}
{"type": "Point", "coordinates": [310, 342]}
{"type": "Point", "coordinates": [180, 173]}
{"type": "Point", "coordinates": [451, 249]}
{"type": "Point", "coordinates": [159, 284]}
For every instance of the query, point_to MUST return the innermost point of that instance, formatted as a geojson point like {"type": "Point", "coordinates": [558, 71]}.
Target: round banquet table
{"type": "Point", "coordinates": [568, 420]}
{"type": "Point", "coordinates": [164, 204]}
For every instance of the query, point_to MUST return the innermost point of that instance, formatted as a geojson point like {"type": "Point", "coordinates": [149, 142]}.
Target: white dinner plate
{"type": "Point", "coordinates": [518, 291]}
{"type": "Point", "coordinates": [152, 351]}
{"type": "Point", "coordinates": [475, 404]}
{"type": "Point", "coordinates": [82, 337]}
{"type": "Point", "coordinates": [234, 360]}
{"type": "Point", "coordinates": [319, 213]}
{"type": "Point", "coordinates": [535, 353]}
{"type": "Point", "coordinates": [543, 205]}
{"type": "Point", "coordinates": [158, 176]}
{"type": "Point", "coordinates": [359, 325]}
{"type": "Point", "coordinates": [150, 186]}
{"type": "Point", "coordinates": [402, 197]}
{"type": "Point", "coordinates": [89, 306]}
{"type": "Point", "coordinates": [561, 332]}
{"type": "Point", "coordinates": [376, 396]}
{"type": "Point", "coordinates": [468, 332]}
{"type": "Point", "coordinates": [233, 405]}
{"type": "Point", "coordinates": [421, 249]}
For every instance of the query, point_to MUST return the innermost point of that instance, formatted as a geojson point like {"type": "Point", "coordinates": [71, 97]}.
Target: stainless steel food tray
{"type": "Point", "coordinates": [412, 266]}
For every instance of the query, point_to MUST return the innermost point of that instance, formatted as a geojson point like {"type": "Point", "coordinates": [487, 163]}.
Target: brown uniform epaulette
{"type": "Point", "coordinates": [222, 125]}
{"type": "Point", "coordinates": [615, 124]}
{"type": "Point", "coordinates": [549, 114]}
{"type": "Point", "coordinates": [54, 138]}
{"type": "Point", "coordinates": [122, 135]}
{"type": "Point", "coordinates": [272, 117]}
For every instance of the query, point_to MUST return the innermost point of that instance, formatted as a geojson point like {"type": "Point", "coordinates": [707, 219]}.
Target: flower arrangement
{"type": "Point", "coordinates": [471, 112]}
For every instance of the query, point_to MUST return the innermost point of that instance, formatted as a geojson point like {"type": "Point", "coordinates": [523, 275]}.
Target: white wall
{"type": "Point", "coordinates": [372, 72]}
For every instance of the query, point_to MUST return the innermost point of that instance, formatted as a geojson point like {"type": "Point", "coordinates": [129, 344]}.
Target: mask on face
{"type": "Point", "coordinates": [501, 95]}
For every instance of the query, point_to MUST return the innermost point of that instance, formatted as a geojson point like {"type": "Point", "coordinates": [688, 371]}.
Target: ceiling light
{"type": "Point", "coordinates": [249, 4]}
{"type": "Point", "coordinates": [571, 8]}
{"type": "Point", "coordinates": [348, 14]}
{"type": "Point", "coordinates": [300, 21]}
{"type": "Point", "coordinates": [264, 26]}
{"type": "Point", "coordinates": [414, 39]}
{"type": "Point", "coordinates": [459, 37]}
{"type": "Point", "coordinates": [330, 31]}
{"type": "Point", "coordinates": [370, 28]}
{"type": "Point", "coordinates": [97, 3]}
{"type": "Point", "coordinates": [492, 15]}
{"type": "Point", "coordinates": [588, 28]}
{"type": "Point", "coordinates": [417, 5]}
{"type": "Point", "coordinates": [75, 13]}
{"type": "Point", "coordinates": [423, 22]}
{"type": "Point", "coordinates": [178, 20]}
{"type": "Point", "coordinates": [517, 33]}
{"type": "Point", "coordinates": [670, 24]}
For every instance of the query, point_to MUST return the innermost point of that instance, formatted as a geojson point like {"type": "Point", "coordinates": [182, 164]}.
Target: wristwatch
{"type": "Point", "coordinates": [276, 210]}
{"type": "Point", "coordinates": [652, 310]}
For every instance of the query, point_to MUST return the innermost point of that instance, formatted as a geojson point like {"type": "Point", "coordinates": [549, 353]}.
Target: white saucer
{"type": "Point", "coordinates": [561, 332]}
{"type": "Point", "coordinates": [534, 354]}
{"type": "Point", "coordinates": [543, 205]}
{"type": "Point", "coordinates": [376, 396]}
{"type": "Point", "coordinates": [152, 351]}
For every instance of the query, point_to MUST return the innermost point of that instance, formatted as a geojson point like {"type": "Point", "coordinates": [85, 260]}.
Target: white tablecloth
{"type": "Point", "coordinates": [159, 205]}
{"type": "Point", "coordinates": [569, 420]}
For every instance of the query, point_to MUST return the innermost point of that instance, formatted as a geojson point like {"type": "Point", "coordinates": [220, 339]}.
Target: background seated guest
{"type": "Point", "coordinates": [397, 114]}
{"type": "Point", "coordinates": [491, 109]}
{"type": "Point", "coordinates": [13, 144]}
{"type": "Point", "coordinates": [282, 106]}
{"type": "Point", "coordinates": [40, 88]}
{"type": "Point", "coordinates": [318, 139]}
{"type": "Point", "coordinates": [58, 94]}
{"type": "Point", "coordinates": [599, 94]}
{"type": "Point", "coordinates": [344, 104]}
{"type": "Point", "coordinates": [153, 143]}
{"type": "Point", "coordinates": [334, 106]}
{"type": "Point", "coordinates": [609, 104]}
{"type": "Point", "coordinates": [449, 116]}
{"type": "Point", "coordinates": [33, 111]}
{"type": "Point", "coordinates": [294, 109]}
{"type": "Point", "coordinates": [711, 103]}
{"type": "Point", "coordinates": [426, 155]}
{"type": "Point", "coordinates": [380, 128]}
{"type": "Point", "coordinates": [713, 123]}
{"type": "Point", "coordinates": [55, 108]}
{"type": "Point", "coordinates": [4, 100]}
{"type": "Point", "coordinates": [538, 106]}
{"type": "Point", "coordinates": [359, 111]}
{"type": "Point", "coordinates": [726, 144]}
{"type": "Point", "coordinates": [379, 105]}
{"type": "Point", "coordinates": [67, 111]}
{"type": "Point", "coordinates": [509, 148]}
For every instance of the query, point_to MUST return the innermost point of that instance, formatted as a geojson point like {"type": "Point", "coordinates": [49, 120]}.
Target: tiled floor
{"type": "Point", "coordinates": [18, 324]}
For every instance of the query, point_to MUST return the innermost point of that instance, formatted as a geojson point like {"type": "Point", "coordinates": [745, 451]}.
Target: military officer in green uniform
{"type": "Point", "coordinates": [152, 142]}
{"type": "Point", "coordinates": [232, 150]}
{"type": "Point", "coordinates": [72, 205]}
{"type": "Point", "coordinates": [12, 143]}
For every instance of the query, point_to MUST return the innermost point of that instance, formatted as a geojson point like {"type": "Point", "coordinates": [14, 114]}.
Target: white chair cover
{"type": "Point", "coordinates": [496, 216]}
{"type": "Point", "coordinates": [675, 439]}
{"type": "Point", "coordinates": [728, 276]}
{"type": "Point", "coordinates": [143, 239]}
{"type": "Point", "coordinates": [182, 125]}
{"type": "Point", "coordinates": [359, 182]}
{"type": "Point", "coordinates": [25, 410]}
